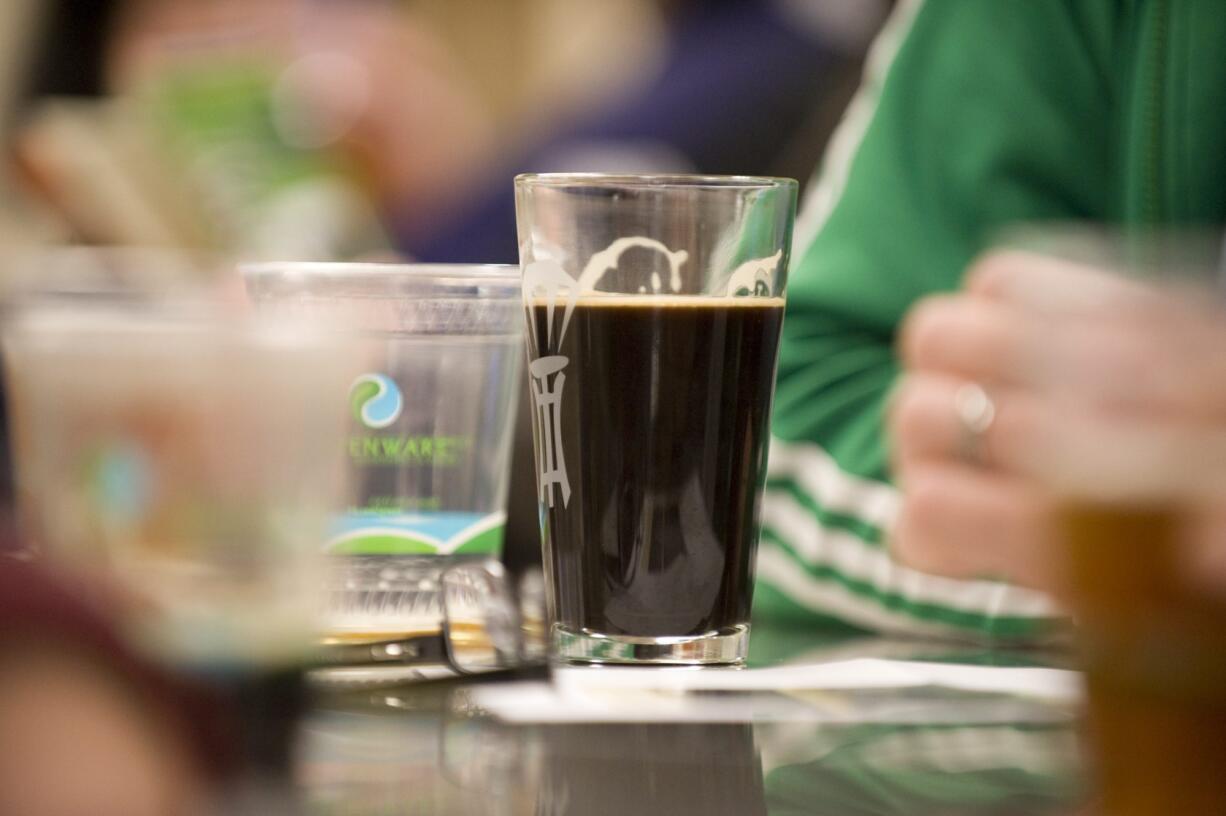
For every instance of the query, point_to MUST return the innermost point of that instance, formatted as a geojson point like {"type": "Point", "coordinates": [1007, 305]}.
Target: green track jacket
{"type": "Point", "coordinates": [974, 114]}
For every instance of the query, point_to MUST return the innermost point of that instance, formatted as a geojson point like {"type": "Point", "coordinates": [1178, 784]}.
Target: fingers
{"type": "Point", "coordinates": [963, 522]}
{"type": "Point", "coordinates": [1002, 327]}
{"type": "Point", "coordinates": [970, 337]}
{"type": "Point", "coordinates": [1099, 387]}
{"type": "Point", "coordinates": [1159, 357]}
{"type": "Point", "coordinates": [924, 425]}
{"type": "Point", "coordinates": [1041, 285]}
{"type": "Point", "coordinates": [1169, 369]}
{"type": "Point", "coordinates": [975, 338]}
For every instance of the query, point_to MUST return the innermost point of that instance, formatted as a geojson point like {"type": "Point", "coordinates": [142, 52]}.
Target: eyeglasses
{"type": "Point", "coordinates": [483, 620]}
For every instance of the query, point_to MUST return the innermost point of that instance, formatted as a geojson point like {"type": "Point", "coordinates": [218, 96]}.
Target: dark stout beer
{"type": "Point", "coordinates": [662, 420]}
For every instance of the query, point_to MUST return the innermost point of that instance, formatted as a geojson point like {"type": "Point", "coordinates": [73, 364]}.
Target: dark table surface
{"type": "Point", "coordinates": [431, 749]}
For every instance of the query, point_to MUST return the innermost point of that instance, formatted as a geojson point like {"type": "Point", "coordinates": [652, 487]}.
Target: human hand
{"type": "Point", "coordinates": [967, 512]}
{"type": "Point", "coordinates": [1078, 380]}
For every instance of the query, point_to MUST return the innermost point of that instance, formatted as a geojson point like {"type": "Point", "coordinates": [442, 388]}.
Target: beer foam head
{"type": "Point", "coordinates": [667, 301]}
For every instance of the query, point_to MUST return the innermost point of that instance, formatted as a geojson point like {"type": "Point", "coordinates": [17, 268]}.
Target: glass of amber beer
{"type": "Point", "coordinates": [1137, 461]}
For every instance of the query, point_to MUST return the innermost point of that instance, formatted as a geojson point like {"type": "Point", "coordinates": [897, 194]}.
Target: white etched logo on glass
{"type": "Point", "coordinates": [547, 283]}
{"type": "Point", "coordinates": [756, 277]}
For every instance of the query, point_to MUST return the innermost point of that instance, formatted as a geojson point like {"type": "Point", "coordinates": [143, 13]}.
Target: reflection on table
{"type": "Point", "coordinates": [430, 749]}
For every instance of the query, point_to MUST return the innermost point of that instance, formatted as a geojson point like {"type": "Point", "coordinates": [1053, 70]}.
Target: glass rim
{"type": "Point", "coordinates": [687, 181]}
{"type": "Point", "coordinates": [181, 321]}
{"type": "Point", "coordinates": [379, 270]}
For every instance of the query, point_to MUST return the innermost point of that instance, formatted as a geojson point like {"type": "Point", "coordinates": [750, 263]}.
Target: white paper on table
{"type": "Point", "coordinates": [844, 692]}
{"type": "Point", "coordinates": [1057, 685]}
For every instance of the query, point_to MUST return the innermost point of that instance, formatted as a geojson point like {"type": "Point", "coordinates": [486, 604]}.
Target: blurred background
{"type": "Point", "coordinates": [219, 130]}
{"type": "Point", "coordinates": [382, 129]}
{"type": "Point", "coordinates": [337, 129]}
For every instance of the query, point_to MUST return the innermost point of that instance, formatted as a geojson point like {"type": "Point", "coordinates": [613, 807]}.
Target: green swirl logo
{"type": "Point", "coordinates": [375, 400]}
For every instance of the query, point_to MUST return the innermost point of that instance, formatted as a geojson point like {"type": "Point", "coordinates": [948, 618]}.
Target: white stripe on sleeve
{"type": "Point", "coordinates": [851, 556]}
{"type": "Point", "coordinates": [827, 186]}
{"type": "Point", "coordinates": [816, 472]}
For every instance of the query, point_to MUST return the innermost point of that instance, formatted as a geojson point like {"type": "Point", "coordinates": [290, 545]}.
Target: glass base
{"type": "Point", "coordinates": [723, 647]}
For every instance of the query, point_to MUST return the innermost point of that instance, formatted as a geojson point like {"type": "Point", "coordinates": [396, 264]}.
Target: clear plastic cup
{"type": "Point", "coordinates": [183, 456]}
{"type": "Point", "coordinates": [432, 404]}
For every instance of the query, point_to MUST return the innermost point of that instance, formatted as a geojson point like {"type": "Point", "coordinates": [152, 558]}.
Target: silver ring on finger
{"type": "Point", "coordinates": [975, 412]}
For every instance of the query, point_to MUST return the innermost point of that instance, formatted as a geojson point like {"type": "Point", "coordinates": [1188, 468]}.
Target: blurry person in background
{"type": "Point", "coordinates": [348, 111]}
{"type": "Point", "coordinates": [314, 130]}
{"type": "Point", "coordinates": [972, 117]}
{"type": "Point", "coordinates": [267, 128]}
{"type": "Point", "coordinates": [337, 129]}
{"type": "Point", "coordinates": [731, 87]}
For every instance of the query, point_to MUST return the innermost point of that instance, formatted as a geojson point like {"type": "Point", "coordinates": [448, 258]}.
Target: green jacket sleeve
{"type": "Point", "coordinates": [973, 115]}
